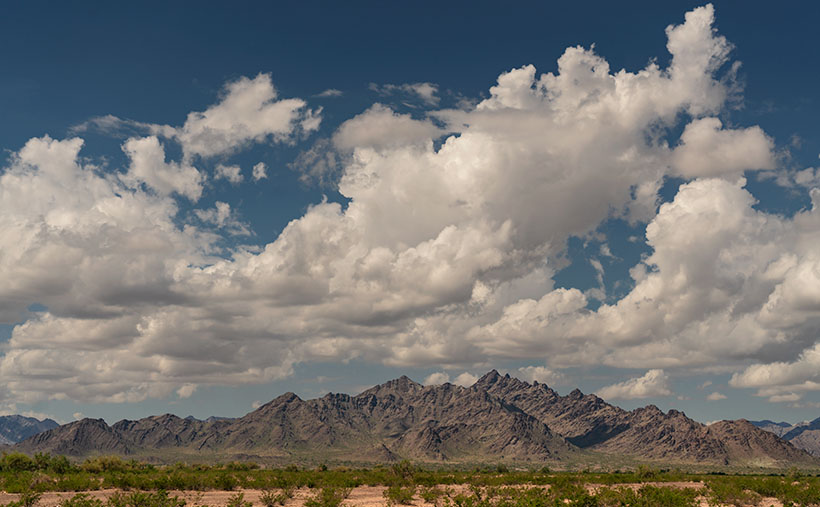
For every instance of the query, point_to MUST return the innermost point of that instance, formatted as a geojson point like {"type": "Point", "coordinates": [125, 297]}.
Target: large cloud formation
{"type": "Point", "coordinates": [444, 255]}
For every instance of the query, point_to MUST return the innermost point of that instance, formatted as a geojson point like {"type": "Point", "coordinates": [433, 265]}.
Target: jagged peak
{"type": "Point", "coordinates": [403, 384]}
{"type": "Point", "coordinates": [576, 394]}
{"type": "Point", "coordinates": [653, 409]}
{"type": "Point", "coordinates": [493, 377]}
{"type": "Point", "coordinates": [489, 378]}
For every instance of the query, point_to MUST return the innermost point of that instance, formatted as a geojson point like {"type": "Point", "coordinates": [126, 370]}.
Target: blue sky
{"type": "Point", "coordinates": [425, 202]}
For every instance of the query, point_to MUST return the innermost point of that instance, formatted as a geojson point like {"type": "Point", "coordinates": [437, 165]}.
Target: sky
{"type": "Point", "coordinates": [203, 206]}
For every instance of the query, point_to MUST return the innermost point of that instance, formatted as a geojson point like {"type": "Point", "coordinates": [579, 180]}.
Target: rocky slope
{"type": "Point", "coordinates": [498, 418]}
{"type": "Point", "coordinates": [78, 438]}
{"type": "Point", "coordinates": [778, 428]}
{"type": "Point", "coordinates": [397, 419]}
{"type": "Point", "coordinates": [805, 435]}
{"type": "Point", "coordinates": [589, 422]}
{"type": "Point", "coordinates": [15, 428]}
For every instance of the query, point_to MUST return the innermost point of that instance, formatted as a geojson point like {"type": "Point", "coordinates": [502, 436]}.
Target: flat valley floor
{"type": "Point", "coordinates": [362, 496]}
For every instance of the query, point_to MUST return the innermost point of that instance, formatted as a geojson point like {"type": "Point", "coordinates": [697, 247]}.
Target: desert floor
{"type": "Point", "coordinates": [363, 496]}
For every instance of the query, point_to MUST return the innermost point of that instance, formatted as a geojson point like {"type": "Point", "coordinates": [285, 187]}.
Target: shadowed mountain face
{"type": "Point", "coordinates": [15, 428]}
{"type": "Point", "coordinates": [498, 418]}
{"type": "Point", "coordinates": [397, 419]}
{"type": "Point", "coordinates": [589, 422]}
{"type": "Point", "coordinates": [805, 435]}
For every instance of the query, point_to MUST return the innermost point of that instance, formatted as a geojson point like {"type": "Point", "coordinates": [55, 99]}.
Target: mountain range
{"type": "Point", "coordinates": [499, 418]}
{"type": "Point", "coordinates": [805, 435]}
{"type": "Point", "coordinates": [15, 428]}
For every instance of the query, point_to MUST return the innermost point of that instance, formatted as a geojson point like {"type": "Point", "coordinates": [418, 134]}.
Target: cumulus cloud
{"type": "Point", "coordinates": [260, 171]}
{"type": "Point", "coordinates": [708, 150]}
{"type": "Point", "coordinates": [465, 379]}
{"type": "Point", "coordinates": [231, 173]}
{"type": "Point", "coordinates": [443, 255]}
{"type": "Point", "coordinates": [149, 167]}
{"type": "Point", "coordinates": [249, 111]}
{"type": "Point", "coordinates": [716, 396]}
{"type": "Point", "coordinates": [380, 128]}
{"type": "Point", "coordinates": [222, 216]}
{"type": "Point", "coordinates": [540, 374]}
{"type": "Point", "coordinates": [654, 383]}
{"type": "Point", "coordinates": [436, 378]}
{"type": "Point", "coordinates": [186, 390]}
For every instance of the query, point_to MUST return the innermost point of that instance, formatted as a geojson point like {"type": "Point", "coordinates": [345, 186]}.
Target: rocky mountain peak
{"type": "Point", "coordinates": [400, 386]}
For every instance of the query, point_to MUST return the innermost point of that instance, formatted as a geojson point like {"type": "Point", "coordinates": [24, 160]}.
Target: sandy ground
{"type": "Point", "coordinates": [363, 496]}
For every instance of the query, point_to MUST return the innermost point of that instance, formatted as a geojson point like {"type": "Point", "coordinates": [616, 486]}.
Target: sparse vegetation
{"type": "Point", "coordinates": [398, 494]}
{"type": "Point", "coordinates": [329, 496]}
{"type": "Point", "coordinates": [145, 485]}
{"type": "Point", "coordinates": [238, 500]}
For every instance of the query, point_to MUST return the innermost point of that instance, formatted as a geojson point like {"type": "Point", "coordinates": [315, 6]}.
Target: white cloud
{"type": "Point", "coordinates": [260, 171]}
{"type": "Point", "coordinates": [809, 177]}
{"type": "Point", "coordinates": [704, 385]}
{"type": "Point", "coordinates": [148, 166]}
{"type": "Point", "coordinates": [231, 173]}
{"type": "Point", "coordinates": [540, 374]}
{"type": "Point", "coordinates": [436, 378]}
{"type": "Point", "coordinates": [654, 383]}
{"type": "Point", "coordinates": [708, 150]}
{"type": "Point", "coordinates": [331, 92]}
{"type": "Point", "coordinates": [186, 390]}
{"type": "Point", "coordinates": [78, 415]}
{"type": "Point", "coordinates": [249, 111]}
{"type": "Point", "coordinates": [379, 128]}
{"type": "Point", "coordinates": [716, 396]}
{"type": "Point", "coordinates": [465, 379]}
{"type": "Point", "coordinates": [424, 91]}
{"type": "Point", "coordinates": [442, 257]}
{"type": "Point", "coordinates": [787, 397]}
{"type": "Point", "coordinates": [256, 404]}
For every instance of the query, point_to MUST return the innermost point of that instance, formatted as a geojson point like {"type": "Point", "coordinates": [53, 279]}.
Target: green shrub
{"type": "Point", "coordinates": [17, 462]}
{"type": "Point", "coordinates": [81, 500]}
{"type": "Point", "coordinates": [399, 495]}
{"type": "Point", "coordinates": [645, 473]}
{"type": "Point", "coordinates": [270, 499]}
{"type": "Point", "coordinates": [144, 499]}
{"type": "Point", "coordinates": [226, 482]}
{"type": "Point", "coordinates": [328, 497]}
{"type": "Point", "coordinates": [431, 494]}
{"type": "Point", "coordinates": [238, 500]}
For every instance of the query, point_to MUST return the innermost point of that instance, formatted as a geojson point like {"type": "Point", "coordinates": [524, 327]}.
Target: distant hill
{"type": "Point", "coordinates": [778, 428]}
{"type": "Point", "coordinates": [805, 435]}
{"type": "Point", "coordinates": [500, 418]}
{"type": "Point", "coordinates": [15, 428]}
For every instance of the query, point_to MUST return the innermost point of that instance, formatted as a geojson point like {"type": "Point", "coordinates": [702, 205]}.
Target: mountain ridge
{"type": "Point", "coordinates": [498, 418]}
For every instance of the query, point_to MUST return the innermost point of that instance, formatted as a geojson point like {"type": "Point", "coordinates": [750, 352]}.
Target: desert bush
{"type": "Point", "coordinates": [17, 462]}
{"type": "Point", "coordinates": [145, 499]}
{"type": "Point", "coordinates": [431, 495]}
{"type": "Point", "coordinates": [226, 482]}
{"type": "Point", "coordinates": [238, 500]}
{"type": "Point", "coordinates": [645, 473]}
{"type": "Point", "coordinates": [328, 497]}
{"type": "Point", "coordinates": [399, 495]}
{"type": "Point", "coordinates": [101, 464]}
{"type": "Point", "coordinates": [270, 498]}
{"type": "Point", "coordinates": [81, 500]}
